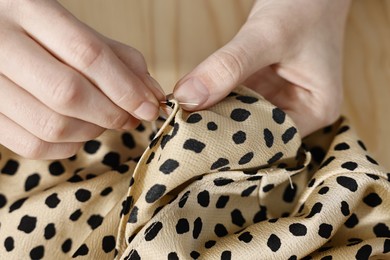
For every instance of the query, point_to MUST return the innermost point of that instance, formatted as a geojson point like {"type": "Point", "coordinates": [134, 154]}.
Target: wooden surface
{"type": "Point", "coordinates": [175, 35]}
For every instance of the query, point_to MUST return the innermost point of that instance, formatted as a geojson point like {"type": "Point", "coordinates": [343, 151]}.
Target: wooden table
{"type": "Point", "coordinates": [175, 35]}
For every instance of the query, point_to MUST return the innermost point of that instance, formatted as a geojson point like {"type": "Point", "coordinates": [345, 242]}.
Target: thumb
{"type": "Point", "coordinates": [220, 73]}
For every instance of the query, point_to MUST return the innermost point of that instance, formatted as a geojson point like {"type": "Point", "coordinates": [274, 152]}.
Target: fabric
{"type": "Point", "coordinates": [232, 182]}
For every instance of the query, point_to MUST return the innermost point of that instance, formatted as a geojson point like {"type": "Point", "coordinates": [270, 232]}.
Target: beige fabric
{"type": "Point", "coordinates": [229, 182]}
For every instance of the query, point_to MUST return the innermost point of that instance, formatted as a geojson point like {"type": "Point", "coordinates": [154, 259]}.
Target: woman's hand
{"type": "Point", "coordinates": [61, 83]}
{"type": "Point", "coordinates": [288, 51]}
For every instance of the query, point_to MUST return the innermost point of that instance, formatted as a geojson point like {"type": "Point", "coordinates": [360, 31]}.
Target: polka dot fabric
{"type": "Point", "coordinates": [229, 182]}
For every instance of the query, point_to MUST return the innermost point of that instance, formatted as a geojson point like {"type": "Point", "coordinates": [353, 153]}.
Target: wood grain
{"type": "Point", "coordinates": [176, 35]}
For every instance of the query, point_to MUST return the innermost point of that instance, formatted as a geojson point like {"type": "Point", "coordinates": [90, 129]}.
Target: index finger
{"type": "Point", "coordinates": [80, 47]}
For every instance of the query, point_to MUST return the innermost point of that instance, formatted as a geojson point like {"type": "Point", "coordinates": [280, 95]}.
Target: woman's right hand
{"type": "Point", "coordinates": [62, 83]}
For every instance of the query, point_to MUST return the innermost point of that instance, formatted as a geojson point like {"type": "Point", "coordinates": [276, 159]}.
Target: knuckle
{"type": "Point", "coordinates": [86, 51]}
{"type": "Point", "coordinates": [229, 64]}
{"type": "Point", "coordinates": [52, 129]}
{"type": "Point", "coordinates": [65, 92]}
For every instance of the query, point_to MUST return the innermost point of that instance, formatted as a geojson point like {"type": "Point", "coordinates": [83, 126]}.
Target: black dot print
{"type": "Point", "coordinates": [173, 256]}
{"type": "Point", "coordinates": [364, 252]}
{"type": "Point", "coordinates": [343, 129]}
{"type": "Point", "coordinates": [204, 198]}
{"type": "Point", "coordinates": [198, 224]}
{"type": "Point", "coordinates": [75, 215]}
{"type": "Point", "coordinates": [220, 230]}
{"type": "Point", "coordinates": [268, 137]}
{"type": "Point", "coordinates": [222, 201]}
{"type": "Point", "coordinates": [183, 199]}
{"type": "Point", "coordinates": [165, 139]}
{"type": "Point", "coordinates": [327, 162]}
{"type": "Point", "coordinates": [150, 158]}
{"type": "Point", "coordinates": [169, 166]}
{"type": "Point", "coordinates": [112, 159]}
{"type": "Point", "coordinates": [94, 221]}
{"type": "Point", "coordinates": [386, 246]}
{"type": "Point", "coordinates": [239, 137]}
{"type": "Point", "coordinates": [246, 158]}
{"type": "Point", "coordinates": [108, 244]}
{"type": "Point", "coordinates": [126, 204]}
{"type": "Point", "coordinates": [381, 230]}
{"type": "Point", "coordinates": [152, 231]}
{"type": "Point", "coordinates": [37, 252]}
{"type": "Point", "coordinates": [81, 251]}
{"type": "Point", "coordinates": [361, 144]}
{"type": "Point", "coordinates": [221, 162]}
{"type": "Point", "coordinates": [194, 254]}
{"type": "Point", "coordinates": [275, 158]}
{"type": "Point", "coordinates": [56, 168]}
{"type": "Point", "coordinates": [32, 181]}
{"type": "Point", "coordinates": [133, 215]}
{"type": "Point", "coordinates": [349, 166]}
{"type": "Point", "coordinates": [27, 224]}
{"type": "Point", "coordinates": [247, 99]}
{"type": "Point", "coordinates": [268, 187]}
{"type": "Point", "coordinates": [212, 126]}
{"type": "Point", "coordinates": [274, 243]}
{"type": "Point", "coordinates": [209, 244]}
{"type": "Point", "coordinates": [10, 167]}
{"type": "Point", "coordinates": [49, 231]}
{"type": "Point", "coordinates": [290, 193]}
{"type": "Point", "coordinates": [325, 230]}
{"type": "Point", "coordinates": [194, 118]}
{"type": "Point", "coordinates": [133, 255]}
{"type": "Point", "coordinates": [248, 191]}
{"type": "Point", "coordinates": [323, 190]}
{"type": "Point", "coordinates": [347, 183]}
{"type": "Point", "coordinates": [373, 176]}
{"type": "Point", "coordinates": [182, 226]}
{"type": "Point", "coordinates": [278, 115]}
{"type": "Point", "coordinates": [83, 195]}
{"type": "Point", "coordinates": [128, 140]}
{"type": "Point", "coordinates": [9, 244]}
{"type": "Point", "coordinates": [194, 145]}
{"type": "Point", "coordinates": [3, 200]}
{"type": "Point", "coordinates": [91, 147]}
{"type": "Point", "coordinates": [341, 147]}
{"type": "Point", "coordinates": [345, 208]}
{"type": "Point", "coordinates": [315, 209]}
{"type": "Point", "coordinates": [352, 221]}
{"type": "Point", "coordinates": [297, 229]}
{"type": "Point", "coordinates": [240, 114]}
{"type": "Point", "coordinates": [221, 181]}
{"type": "Point", "coordinates": [155, 192]}
{"type": "Point", "coordinates": [237, 218]}
{"type": "Point", "coordinates": [372, 200]}
{"type": "Point", "coordinates": [226, 255]}
{"type": "Point", "coordinates": [289, 134]}
{"type": "Point", "coordinates": [106, 191]}
{"type": "Point", "coordinates": [66, 246]}
{"type": "Point", "coordinates": [245, 237]}
{"type": "Point", "coordinates": [17, 204]}
{"type": "Point", "coordinates": [261, 215]}
{"type": "Point", "coordinates": [52, 201]}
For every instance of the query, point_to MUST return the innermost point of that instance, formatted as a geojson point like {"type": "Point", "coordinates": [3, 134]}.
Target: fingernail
{"type": "Point", "coordinates": [160, 91]}
{"type": "Point", "coordinates": [192, 91]}
{"type": "Point", "coordinates": [147, 111]}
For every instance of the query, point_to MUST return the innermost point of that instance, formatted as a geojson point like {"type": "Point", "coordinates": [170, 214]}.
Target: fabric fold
{"type": "Point", "coordinates": [230, 182]}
